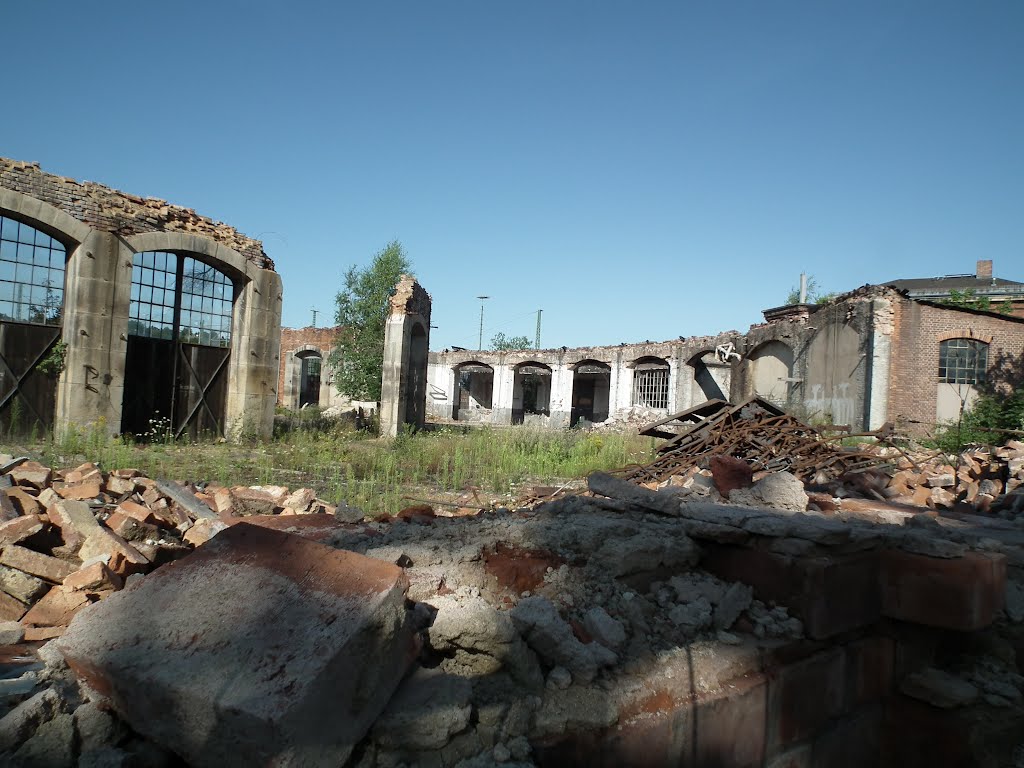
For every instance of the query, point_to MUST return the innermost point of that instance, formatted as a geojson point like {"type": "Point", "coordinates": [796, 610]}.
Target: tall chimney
{"type": "Point", "coordinates": [984, 269]}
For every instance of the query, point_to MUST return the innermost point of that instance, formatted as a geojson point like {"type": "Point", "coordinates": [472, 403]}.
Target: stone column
{"type": "Point", "coordinates": [404, 375]}
{"type": "Point", "coordinates": [255, 353]}
{"type": "Point", "coordinates": [96, 300]}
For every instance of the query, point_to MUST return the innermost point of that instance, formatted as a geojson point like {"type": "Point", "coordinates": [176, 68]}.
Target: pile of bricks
{"type": "Point", "coordinates": [979, 478]}
{"type": "Point", "coordinates": [71, 538]}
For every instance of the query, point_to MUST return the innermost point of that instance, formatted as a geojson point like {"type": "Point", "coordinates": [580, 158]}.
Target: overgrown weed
{"type": "Point", "coordinates": [343, 464]}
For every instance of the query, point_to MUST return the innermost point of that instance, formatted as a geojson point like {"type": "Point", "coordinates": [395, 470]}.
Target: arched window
{"type": "Point", "coordinates": [31, 274]}
{"type": "Point", "coordinates": [962, 361]}
{"type": "Point", "coordinates": [650, 382]}
{"type": "Point", "coordinates": [180, 298]}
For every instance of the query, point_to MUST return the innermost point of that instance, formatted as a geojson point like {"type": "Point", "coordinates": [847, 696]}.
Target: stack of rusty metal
{"type": "Point", "coordinates": [756, 431]}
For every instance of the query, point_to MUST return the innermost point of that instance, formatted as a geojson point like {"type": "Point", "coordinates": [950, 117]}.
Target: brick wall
{"type": "Point", "coordinates": [919, 327]}
{"type": "Point", "coordinates": [295, 338]}
{"type": "Point", "coordinates": [109, 210]}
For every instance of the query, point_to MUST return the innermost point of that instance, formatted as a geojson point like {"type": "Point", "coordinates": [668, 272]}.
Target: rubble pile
{"type": "Point", "coordinates": [71, 538]}
{"type": "Point", "coordinates": [987, 479]}
{"type": "Point", "coordinates": [558, 634]}
{"type": "Point", "coordinates": [728, 614]}
{"type": "Point", "coordinates": [755, 431]}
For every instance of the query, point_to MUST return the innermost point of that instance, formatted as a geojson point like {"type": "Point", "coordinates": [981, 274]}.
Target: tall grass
{"type": "Point", "coordinates": [345, 465]}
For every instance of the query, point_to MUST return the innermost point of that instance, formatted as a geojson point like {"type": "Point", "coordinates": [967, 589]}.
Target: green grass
{"type": "Point", "coordinates": [373, 474]}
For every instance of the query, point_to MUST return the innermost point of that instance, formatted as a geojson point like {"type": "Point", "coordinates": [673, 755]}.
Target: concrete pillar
{"type": "Point", "coordinates": [879, 357]}
{"type": "Point", "coordinates": [96, 302]}
{"type": "Point", "coordinates": [561, 395]}
{"type": "Point", "coordinates": [255, 352]}
{"type": "Point", "coordinates": [504, 391]}
{"type": "Point", "coordinates": [404, 375]}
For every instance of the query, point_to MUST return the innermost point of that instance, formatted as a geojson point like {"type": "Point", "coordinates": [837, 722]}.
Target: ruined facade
{"type": "Point", "coordinates": [130, 314]}
{"type": "Point", "coordinates": [872, 356]}
{"type": "Point", "coordinates": [406, 346]}
{"type": "Point", "coordinates": [305, 376]}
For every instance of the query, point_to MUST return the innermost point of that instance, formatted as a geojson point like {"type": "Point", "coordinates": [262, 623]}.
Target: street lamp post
{"type": "Point", "coordinates": [480, 340]}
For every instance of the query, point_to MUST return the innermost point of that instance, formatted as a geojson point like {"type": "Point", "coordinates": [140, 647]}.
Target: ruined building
{"type": "Point", "coordinates": [872, 356]}
{"type": "Point", "coordinates": [130, 314]}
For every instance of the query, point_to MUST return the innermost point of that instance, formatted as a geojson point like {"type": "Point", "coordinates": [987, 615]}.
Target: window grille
{"type": "Point", "coordinates": [650, 388]}
{"type": "Point", "coordinates": [178, 297]}
{"type": "Point", "coordinates": [963, 361]}
{"type": "Point", "coordinates": [31, 274]}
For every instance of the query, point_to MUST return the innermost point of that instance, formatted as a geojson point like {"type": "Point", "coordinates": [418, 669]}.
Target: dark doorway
{"type": "Point", "coordinates": [590, 387]}
{"type": "Point", "coordinates": [416, 386]}
{"type": "Point", "coordinates": [179, 338]}
{"type": "Point", "coordinates": [309, 383]}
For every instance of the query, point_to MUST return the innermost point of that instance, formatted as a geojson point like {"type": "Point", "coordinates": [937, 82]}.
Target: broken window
{"type": "Point", "coordinates": [650, 383]}
{"type": "Point", "coordinates": [475, 385]}
{"type": "Point", "coordinates": [962, 361]}
{"type": "Point", "coordinates": [31, 274]}
{"type": "Point", "coordinates": [531, 391]}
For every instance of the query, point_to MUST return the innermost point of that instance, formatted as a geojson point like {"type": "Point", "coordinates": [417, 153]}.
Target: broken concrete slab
{"type": "Point", "coordinates": [294, 674]}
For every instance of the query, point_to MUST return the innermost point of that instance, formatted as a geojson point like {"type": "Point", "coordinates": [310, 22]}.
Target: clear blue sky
{"type": "Point", "coordinates": [638, 170]}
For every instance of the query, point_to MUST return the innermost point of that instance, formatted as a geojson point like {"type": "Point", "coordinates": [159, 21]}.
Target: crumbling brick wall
{"type": "Point", "coordinates": [293, 339]}
{"type": "Point", "coordinates": [919, 328]}
{"type": "Point", "coordinates": [110, 210]}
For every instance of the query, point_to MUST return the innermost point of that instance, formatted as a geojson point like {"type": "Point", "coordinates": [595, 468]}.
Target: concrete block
{"type": "Point", "coordinates": [266, 647]}
{"type": "Point", "coordinates": [963, 593]}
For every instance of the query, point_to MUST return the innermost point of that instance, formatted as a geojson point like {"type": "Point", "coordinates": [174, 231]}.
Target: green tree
{"type": "Point", "coordinates": [362, 311]}
{"type": "Point", "coordinates": [968, 299]}
{"type": "Point", "coordinates": [502, 343]}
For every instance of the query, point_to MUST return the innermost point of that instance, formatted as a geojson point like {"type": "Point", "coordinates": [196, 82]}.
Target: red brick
{"type": "Point", "coordinates": [140, 513]}
{"type": "Point", "coordinates": [852, 742]}
{"type": "Point", "coordinates": [96, 576]}
{"type": "Point", "coordinates": [830, 594]}
{"type": "Point", "coordinates": [731, 725]}
{"type": "Point", "coordinates": [869, 671]}
{"type": "Point", "coordinates": [11, 609]}
{"type": "Point", "coordinates": [79, 491]}
{"type": "Point", "coordinates": [963, 593]}
{"type": "Point", "coordinates": [19, 529]}
{"type": "Point", "coordinates": [730, 473]}
{"type": "Point", "coordinates": [56, 608]}
{"type": "Point", "coordinates": [43, 566]}
{"type": "Point", "coordinates": [803, 696]}
{"type": "Point", "coordinates": [24, 502]}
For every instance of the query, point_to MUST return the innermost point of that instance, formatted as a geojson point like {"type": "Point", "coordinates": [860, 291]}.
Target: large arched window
{"type": "Point", "coordinates": [31, 274]}
{"type": "Point", "coordinates": [962, 361]}
{"type": "Point", "coordinates": [180, 298]}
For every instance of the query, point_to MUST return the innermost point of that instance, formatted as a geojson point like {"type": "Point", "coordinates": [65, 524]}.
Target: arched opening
{"type": "Point", "coordinates": [963, 364]}
{"type": "Point", "coordinates": [416, 387]}
{"type": "Point", "coordinates": [311, 364]}
{"type": "Point", "coordinates": [591, 383]}
{"type": "Point", "coordinates": [650, 383]}
{"type": "Point", "coordinates": [711, 378]}
{"type": "Point", "coordinates": [179, 345]}
{"type": "Point", "coordinates": [771, 368]}
{"type": "Point", "coordinates": [474, 388]}
{"type": "Point", "coordinates": [531, 392]}
{"type": "Point", "coordinates": [32, 265]}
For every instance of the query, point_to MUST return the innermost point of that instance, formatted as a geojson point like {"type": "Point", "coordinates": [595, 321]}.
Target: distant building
{"type": "Point", "coordinates": [981, 284]}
